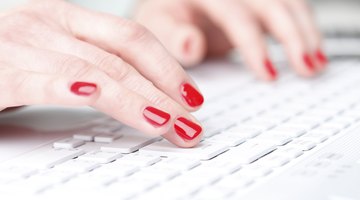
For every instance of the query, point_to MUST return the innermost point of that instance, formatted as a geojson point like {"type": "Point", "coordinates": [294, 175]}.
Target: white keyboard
{"type": "Point", "coordinates": [253, 131]}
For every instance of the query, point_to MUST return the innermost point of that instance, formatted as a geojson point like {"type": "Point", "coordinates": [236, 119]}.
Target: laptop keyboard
{"type": "Point", "coordinates": [252, 130]}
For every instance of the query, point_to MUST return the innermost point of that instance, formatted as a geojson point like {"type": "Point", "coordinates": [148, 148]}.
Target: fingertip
{"type": "Point", "coordinates": [190, 46]}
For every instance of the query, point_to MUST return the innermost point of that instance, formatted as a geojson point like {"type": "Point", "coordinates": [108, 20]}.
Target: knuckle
{"type": "Point", "coordinates": [133, 31]}
{"type": "Point", "coordinates": [75, 67]}
{"type": "Point", "coordinates": [114, 66]}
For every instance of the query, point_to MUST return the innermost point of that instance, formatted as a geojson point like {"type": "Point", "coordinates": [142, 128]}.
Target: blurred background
{"type": "Point", "coordinates": [333, 16]}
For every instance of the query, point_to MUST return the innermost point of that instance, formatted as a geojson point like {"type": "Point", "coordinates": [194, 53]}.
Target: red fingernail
{"type": "Point", "coordinates": [309, 62]}
{"type": "Point", "coordinates": [270, 68]}
{"type": "Point", "coordinates": [187, 129]}
{"type": "Point", "coordinates": [321, 56]}
{"type": "Point", "coordinates": [192, 97]}
{"type": "Point", "coordinates": [83, 88]}
{"type": "Point", "coordinates": [155, 116]}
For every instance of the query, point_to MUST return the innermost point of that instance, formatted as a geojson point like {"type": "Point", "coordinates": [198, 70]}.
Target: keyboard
{"type": "Point", "coordinates": [253, 131]}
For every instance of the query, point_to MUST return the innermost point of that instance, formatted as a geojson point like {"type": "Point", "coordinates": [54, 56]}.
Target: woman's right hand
{"type": "Point", "coordinates": [53, 52]}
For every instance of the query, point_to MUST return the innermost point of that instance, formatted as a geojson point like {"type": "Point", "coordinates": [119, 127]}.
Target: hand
{"type": "Point", "coordinates": [52, 52]}
{"type": "Point", "coordinates": [194, 29]}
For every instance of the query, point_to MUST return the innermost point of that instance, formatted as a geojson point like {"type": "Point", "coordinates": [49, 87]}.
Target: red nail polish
{"type": "Point", "coordinates": [270, 68]}
{"type": "Point", "coordinates": [192, 97]}
{"type": "Point", "coordinates": [309, 62]}
{"type": "Point", "coordinates": [187, 129]}
{"type": "Point", "coordinates": [155, 116]}
{"type": "Point", "coordinates": [321, 57]}
{"type": "Point", "coordinates": [83, 88]}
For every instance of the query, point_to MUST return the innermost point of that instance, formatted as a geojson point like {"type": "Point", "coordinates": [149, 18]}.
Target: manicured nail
{"type": "Point", "coordinates": [309, 62]}
{"type": "Point", "coordinates": [187, 129]}
{"type": "Point", "coordinates": [83, 88]}
{"type": "Point", "coordinates": [270, 68]}
{"type": "Point", "coordinates": [155, 116]}
{"type": "Point", "coordinates": [192, 97]}
{"type": "Point", "coordinates": [321, 57]}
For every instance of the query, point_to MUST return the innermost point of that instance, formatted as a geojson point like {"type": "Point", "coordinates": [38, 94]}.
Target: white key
{"type": "Point", "coordinates": [16, 171]}
{"type": "Point", "coordinates": [290, 152]}
{"type": "Point", "coordinates": [53, 176]}
{"type": "Point", "coordinates": [100, 156]}
{"type": "Point", "coordinates": [156, 173]}
{"type": "Point", "coordinates": [245, 131]}
{"type": "Point", "coordinates": [254, 171]}
{"type": "Point", "coordinates": [275, 138]}
{"type": "Point", "coordinates": [235, 183]}
{"type": "Point", "coordinates": [228, 138]}
{"type": "Point", "coordinates": [315, 137]}
{"type": "Point", "coordinates": [107, 138]}
{"type": "Point", "coordinates": [47, 158]}
{"type": "Point", "coordinates": [76, 165]}
{"type": "Point", "coordinates": [273, 160]}
{"type": "Point", "coordinates": [139, 160]}
{"type": "Point", "coordinates": [129, 143]}
{"type": "Point", "coordinates": [290, 129]}
{"type": "Point", "coordinates": [116, 169]}
{"type": "Point", "coordinates": [221, 166]}
{"type": "Point", "coordinates": [304, 145]}
{"type": "Point", "coordinates": [68, 143]}
{"type": "Point", "coordinates": [180, 163]}
{"type": "Point", "coordinates": [264, 125]}
{"type": "Point", "coordinates": [250, 151]}
{"type": "Point", "coordinates": [86, 136]}
{"type": "Point", "coordinates": [213, 193]}
{"type": "Point", "coordinates": [104, 129]}
{"type": "Point", "coordinates": [326, 130]}
{"type": "Point", "coordinates": [202, 151]}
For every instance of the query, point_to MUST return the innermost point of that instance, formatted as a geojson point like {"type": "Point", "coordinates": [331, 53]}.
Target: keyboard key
{"type": "Point", "coordinates": [203, 151]}
{"type": "Point", "coordinates": [290, 152]}
{"type": "Point", "coordinates": [116, 169]}
{"type": "Point", "coordinates": [68, 143]}
{"type": "Point", "coordinates": [228, 138]}
{"type": "Point", "coordinates": [304, 145]}
{"type": "Point", "coordinates": [156, 173]}
{"type": "Point", "coordinates": [273, 160]}
{"type": "Point", "coordinates": [250, 151]}
{"type": "Point", "coordinates": [108, 137]}
{"type": "Point", "coordinates": [254, 171]}
{"type": "Point", "coordinates": [86, 136]}
{"type": "Point", "coordinates": [16, 171]}
{"type": "Point", "coordinates": [129, 143]}
{"type": "Point", "coordinates": [315, 137]}
{"type": "Point", "coordinates": [182, 164]}
{"type": "Point", "coordinates": [139, 160]}
{"type": "Point", "coordinates": [275, 138]}
{"type": "Point", "coordinates": [76, 165]}
{"type": "Point", "coordinates": [100, 156]}
{"type": "Point", "coordinates": [47, 158]}
{"type": "Point", "coordinates": [244, 131]}
{"type": "Point", "coordinates": [213, 192]}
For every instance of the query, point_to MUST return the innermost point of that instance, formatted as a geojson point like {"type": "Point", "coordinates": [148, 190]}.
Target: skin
{"type": "Point", "coordinates": [46, 46]}
{"type": "Point", "coordinates": [195, 29]}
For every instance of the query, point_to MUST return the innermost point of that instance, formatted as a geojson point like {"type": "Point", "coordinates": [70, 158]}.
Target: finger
{"type": "Point", "coordinates": [305, 20]}
{"type": "Point", "coordinates": [179, 33]}
{"type": "Point", "coordinates": [243, 32]}
{"type": "Point", "coordinates": [140, 49]}
{"type": "Point", "coordinates": [154, 119]}
{"type": "Point", "coordinates": [29, 88]}
{"type": "Point", "coordinates": [280, 23]}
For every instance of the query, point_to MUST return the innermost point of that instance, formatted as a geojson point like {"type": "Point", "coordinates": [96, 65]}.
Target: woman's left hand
{"type": "Point", "coordinates": [195, 29]}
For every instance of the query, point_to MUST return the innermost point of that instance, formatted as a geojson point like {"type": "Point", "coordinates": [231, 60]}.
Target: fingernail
{"type": "Point", "coordinates": [270, 68]}
{"type": "Point", "coordinates": [155, 116]}
{"type": "Point", "coordinates": [187, 129]}
{"type": "Point", "coordinates": [83, 88]}
{"type": "Point", "coordinates": [309, 62]}
{"type": "Point", "coordinates": [321, 56]}
{"type": "Point", "coordinates": [192, 97]}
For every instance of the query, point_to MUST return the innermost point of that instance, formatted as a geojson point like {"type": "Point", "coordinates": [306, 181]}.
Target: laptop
{"type": "Point", "coordinates": [294, 139]}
